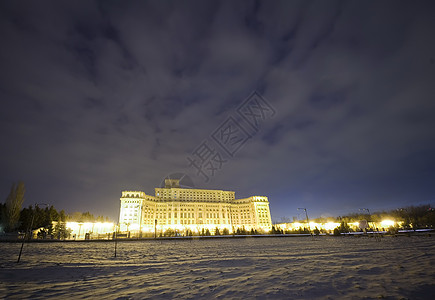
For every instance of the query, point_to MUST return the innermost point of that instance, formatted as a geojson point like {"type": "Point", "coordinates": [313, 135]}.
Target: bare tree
{"type": "Point", "coordinates": [13, 206]}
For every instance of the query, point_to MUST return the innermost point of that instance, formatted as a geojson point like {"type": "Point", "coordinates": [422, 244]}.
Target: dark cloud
{"type": "Point", "coordinates": [104, 96]}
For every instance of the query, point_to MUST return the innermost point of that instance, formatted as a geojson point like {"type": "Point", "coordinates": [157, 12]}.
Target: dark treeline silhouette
{"type": "Point", "coordinates": [34, 217]}
{"type": "Point", "coordinates": [47, 219]}
{"type": "Point", "coordinates": [86, 217]}
{"type": "Point", "coordinates": [410, 217]}
{"type": "Point", "coordinates": [422, 216]}
{"type": "Point", "coordinates": [413, 217]}
{"type": "Point", "coordinates": [10, 210]}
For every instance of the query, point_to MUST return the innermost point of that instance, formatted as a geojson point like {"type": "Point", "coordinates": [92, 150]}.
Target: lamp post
{"type": "Point", "coordinates": [231, 219]}
{"type": "Point", "coordinates": [29, 229]}
{"type": "Point", "coordinates": [115, 237]}
{"type": "Point", "coordinates": [306, 215]}
{"type": "Point", "coordinates": [80, 228]}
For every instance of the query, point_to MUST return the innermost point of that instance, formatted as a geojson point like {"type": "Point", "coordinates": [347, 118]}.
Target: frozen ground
{"type": "Point", "coordinates": [263, 268]}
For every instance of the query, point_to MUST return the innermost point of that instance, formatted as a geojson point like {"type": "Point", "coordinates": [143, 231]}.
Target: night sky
{"type": "Point", "coordinates": [100, 97]}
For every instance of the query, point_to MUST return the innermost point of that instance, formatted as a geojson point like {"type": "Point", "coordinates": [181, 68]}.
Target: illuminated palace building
{"type": "Point", "coordinates": [182, 209]}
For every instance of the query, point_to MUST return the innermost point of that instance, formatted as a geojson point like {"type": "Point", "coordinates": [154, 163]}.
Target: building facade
{"type": "Point", "coordinates": [181, 209]}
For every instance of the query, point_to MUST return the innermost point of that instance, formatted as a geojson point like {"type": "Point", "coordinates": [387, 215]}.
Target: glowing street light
{"type": "Point", "coordinates": [331, 225]}
{"type": "Point", "coordinates": [387, 223]}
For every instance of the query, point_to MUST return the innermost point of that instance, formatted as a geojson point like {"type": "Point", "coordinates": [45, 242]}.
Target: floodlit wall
{"type": "Point", "coordinates": [93, 229]}
{"type": "Point", "coordinates": [196, 210]}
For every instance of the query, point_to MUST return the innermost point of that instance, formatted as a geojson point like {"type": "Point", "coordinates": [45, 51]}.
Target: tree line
{"type": "Point", "coordinates": [14, 218]}
{"type": "Point", "coordinates": [410, 217]}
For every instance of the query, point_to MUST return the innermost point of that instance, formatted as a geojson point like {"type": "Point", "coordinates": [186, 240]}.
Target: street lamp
{"type": "Point", "coordinates": [306, 215]}
{"type": "Point", "coordinates": [115, 236]}
{"type": "Point", "coordinates": [231, 219]}
{"type": "Point", "coordinates": [80, 228]}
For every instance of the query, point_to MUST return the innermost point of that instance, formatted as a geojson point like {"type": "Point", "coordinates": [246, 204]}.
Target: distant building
{"type": "Point", "coordinates": [182, 209]}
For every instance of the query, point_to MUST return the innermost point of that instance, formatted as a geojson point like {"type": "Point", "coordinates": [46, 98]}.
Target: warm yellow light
{"type": "Point", "coordinates": [313, 225]}
{"type": "Point", "coordinates": [81, 228]}
{"type": "Point", "coordinates": [72, 225]}
{"type": "Point", "coordinates": [331, 225]}
{"type": "Point", "coordinates": [297, 225]}
{"type": "Point", "coordinates": [178, 227]}
{"type": "Point", "coordinates": [387, 223]}
{"type": "Point", "coordinates": [134, 227]}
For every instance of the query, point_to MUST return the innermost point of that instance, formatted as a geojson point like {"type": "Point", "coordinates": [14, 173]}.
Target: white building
{"type": "Point", "coordinates": [182, 209]}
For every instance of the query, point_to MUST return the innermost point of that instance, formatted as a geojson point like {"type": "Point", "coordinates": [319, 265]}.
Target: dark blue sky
{"type": "Point", "coordinates": [99, 97]}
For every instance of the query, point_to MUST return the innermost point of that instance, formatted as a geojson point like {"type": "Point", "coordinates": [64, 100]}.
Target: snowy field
{"type": "Point", "coordinates": [251, 268]}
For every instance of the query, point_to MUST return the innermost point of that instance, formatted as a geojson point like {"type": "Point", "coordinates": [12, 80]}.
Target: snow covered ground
{"type": "Point", "coordinates": [263, 268]}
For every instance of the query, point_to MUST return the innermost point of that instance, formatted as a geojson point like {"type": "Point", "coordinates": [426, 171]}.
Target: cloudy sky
{"type": "Point", "coordinates": [100, 97]}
